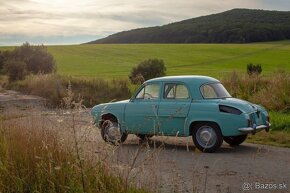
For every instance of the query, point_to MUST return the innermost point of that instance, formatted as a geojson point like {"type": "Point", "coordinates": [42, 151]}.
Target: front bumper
{"type": "Point", "coordinates": [255, 128]}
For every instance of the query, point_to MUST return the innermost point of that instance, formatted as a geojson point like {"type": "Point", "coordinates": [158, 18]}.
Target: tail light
{"type": "Point", "coordinates": [250, 123]}
{"type": "Point", "coordinates": [268, 124]}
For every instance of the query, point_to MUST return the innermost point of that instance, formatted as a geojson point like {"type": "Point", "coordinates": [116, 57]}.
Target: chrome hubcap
{"type": "Point", "coordinates": [206, 136]}
{"type": "Point", "coordinates": [112, 132]}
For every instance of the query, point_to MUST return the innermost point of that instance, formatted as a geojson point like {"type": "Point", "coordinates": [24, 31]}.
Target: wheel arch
{"type": "Point", "coordinates": [195, 123]}
{"type": "Point", "coordinates": [108, 116]}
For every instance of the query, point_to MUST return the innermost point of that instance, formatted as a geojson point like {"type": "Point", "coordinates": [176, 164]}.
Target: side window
{"type": "Point", "coordinates": [175, 91]}
{"type": "Point", "coordinates": [169, 91]}
{"type": "Point", "coordinates": [208, 92]}
{"type": "Point", "coordinates": [150, 91]}
{"type": "Point", "coordinates": [140, 95]}
{"type": "Point", "coordinates": [181, 92]}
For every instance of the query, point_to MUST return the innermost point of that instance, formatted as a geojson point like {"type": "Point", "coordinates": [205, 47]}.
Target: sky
{"type": "Point", "coordinates": [77, 21]}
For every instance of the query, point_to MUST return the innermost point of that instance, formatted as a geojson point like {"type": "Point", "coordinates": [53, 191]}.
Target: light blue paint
{"type": "Point", "coordinates": [161, 116]}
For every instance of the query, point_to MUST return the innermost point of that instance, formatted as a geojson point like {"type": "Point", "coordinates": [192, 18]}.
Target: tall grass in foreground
{"type": "Point", "coordinates": [42, 156]}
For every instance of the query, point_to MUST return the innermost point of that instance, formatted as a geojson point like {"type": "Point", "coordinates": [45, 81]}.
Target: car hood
{"type": "Point", "coordinates": [105, 106]}
{"type": "Point", "coordinates": [244, 106]}
{"type": "Point", "coordinates": [117, 102]}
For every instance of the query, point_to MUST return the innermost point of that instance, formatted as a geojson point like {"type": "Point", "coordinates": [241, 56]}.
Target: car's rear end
{"type": "Point", "coordinates": [257, 121]}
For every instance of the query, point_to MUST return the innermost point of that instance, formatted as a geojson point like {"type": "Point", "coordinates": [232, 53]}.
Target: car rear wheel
{"type": "Point", "coordinates": [235, 140]}
{"type": "Point", "coordinates": [207, 137]}
{"type": "Point", "coordinates": [111, 132]}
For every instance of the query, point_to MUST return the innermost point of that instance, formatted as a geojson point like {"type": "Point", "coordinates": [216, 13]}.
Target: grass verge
{"type": "Point", "coordinates": [280, 121]}
{"type": "Point", "coordinates": [274, 138]}
{"type": "Point", "coordinates": [36, 157]}
{"type": "Point", "coordinates": [279, 134]}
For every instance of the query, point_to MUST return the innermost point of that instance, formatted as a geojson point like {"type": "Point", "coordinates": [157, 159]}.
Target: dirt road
{"type": "Point", "coordinates": [247, 168]}
{"type": "Point", "coordinates": [10, 98]}
{"type": "Point", "coordinates": [169, 164]}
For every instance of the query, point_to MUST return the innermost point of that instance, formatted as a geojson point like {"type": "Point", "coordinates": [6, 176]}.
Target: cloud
{"type": "Point", "coordinates": [51, 40]}
{"type": "Point", "coordinates": [74, 18]}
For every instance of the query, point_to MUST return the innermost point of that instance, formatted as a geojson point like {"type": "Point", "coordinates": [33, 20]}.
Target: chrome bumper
{"type": "Point", "coordinates": [255, 128]}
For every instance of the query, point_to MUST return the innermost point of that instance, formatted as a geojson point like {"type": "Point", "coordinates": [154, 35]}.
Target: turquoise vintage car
{"type": "Point", "coordinates": [197, 106]}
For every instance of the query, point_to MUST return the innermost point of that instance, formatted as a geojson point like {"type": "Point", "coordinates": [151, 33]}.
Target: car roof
{"type": "Point", "coordinates": [190, 79]}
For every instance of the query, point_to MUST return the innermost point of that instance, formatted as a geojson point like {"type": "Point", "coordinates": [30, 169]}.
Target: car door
{"type": "Point", "coordinates": [141, 112]}
{"type": "Point", "coordinates": [173, 108]}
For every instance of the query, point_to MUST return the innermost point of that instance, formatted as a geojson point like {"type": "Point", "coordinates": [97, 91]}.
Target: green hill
{"type": "Point", "coordinates": [233, 26]}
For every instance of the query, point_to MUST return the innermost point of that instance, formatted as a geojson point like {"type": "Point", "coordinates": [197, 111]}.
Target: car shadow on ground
{"type": "Point", "coordinates": [184, 147]}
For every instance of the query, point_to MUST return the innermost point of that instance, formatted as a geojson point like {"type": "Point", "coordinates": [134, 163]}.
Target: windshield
{"type": "Point", "coordinates": [213, 91]}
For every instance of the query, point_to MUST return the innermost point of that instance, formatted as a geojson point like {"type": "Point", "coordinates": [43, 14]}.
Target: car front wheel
{"type": "Point", "coordinates": [235, 140]}
{"type": "Point", "coordinates": [111, 132]}
{"type": "Point", "coordinates": [207, 137]}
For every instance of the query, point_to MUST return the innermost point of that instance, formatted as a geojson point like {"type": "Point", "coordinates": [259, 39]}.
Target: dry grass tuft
{"type": "Point", "coordinates": [273, 92]}
{"type": "Point", "coordinates": [53, 87]}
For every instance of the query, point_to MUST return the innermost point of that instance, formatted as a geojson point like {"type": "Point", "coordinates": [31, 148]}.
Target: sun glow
{"type": "Point", "coordinates": [67, 4]}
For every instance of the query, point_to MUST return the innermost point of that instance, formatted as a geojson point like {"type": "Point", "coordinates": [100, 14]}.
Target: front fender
{"type": "Point", "coordinates": [114, 109]}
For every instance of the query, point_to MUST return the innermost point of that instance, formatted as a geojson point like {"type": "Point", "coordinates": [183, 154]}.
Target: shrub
{"type": "Point", "coordinates": [36, 59]}
{"type": "Point", "coordinates": [147, 69]}
{"type": "Point", "coordinates": [253, 69]}
{"type": "Point", "coordinates": [4, 56]}
{"type": "Point", "coordinates": [23, 52]}
{"type": "Point", "coordinates": [2, 59]}
{"type": "Point", "coordinates": [40, 61]}
{"type": "Point", "coordinates": [15, 69]}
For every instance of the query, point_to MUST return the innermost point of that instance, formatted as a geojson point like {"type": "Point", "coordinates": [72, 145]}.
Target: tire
{"type": "Point", "coordinates": [111, 133]}
{"type": "Point", "coordinates": [235, 140]}
{"type": "Point", "coordinates": [207, 137]}
{"type": "Point", "coordinates": [143, 136]}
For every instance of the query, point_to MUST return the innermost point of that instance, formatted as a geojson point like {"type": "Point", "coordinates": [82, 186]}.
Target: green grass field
{"type": "Point", "coordinates": [116, 60]}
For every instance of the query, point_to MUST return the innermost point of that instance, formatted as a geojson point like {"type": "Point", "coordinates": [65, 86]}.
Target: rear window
{"type": "Point", "coordinates": [213, 91]}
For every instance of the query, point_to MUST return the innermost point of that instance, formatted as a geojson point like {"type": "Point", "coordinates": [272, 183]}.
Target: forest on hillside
{"type": "Point", "coordinates": [233, 26]}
